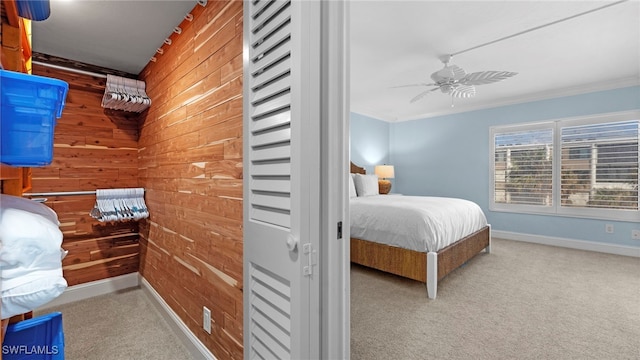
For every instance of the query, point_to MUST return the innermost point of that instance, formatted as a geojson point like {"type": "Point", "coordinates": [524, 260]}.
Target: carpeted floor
{"type": "Point", "coordinates": [522, 301]}
{"type": "Point", "coordinates": [118, 326]}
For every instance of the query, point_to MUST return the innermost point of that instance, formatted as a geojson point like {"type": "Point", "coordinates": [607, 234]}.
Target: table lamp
{"type": "Point", "coordinates": [384, 172]}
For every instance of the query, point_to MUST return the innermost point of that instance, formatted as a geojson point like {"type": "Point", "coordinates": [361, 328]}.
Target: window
{"type": "Point", "coordinates": [523, 172]}
{"type": "Point", "coordinates": [585, 167]}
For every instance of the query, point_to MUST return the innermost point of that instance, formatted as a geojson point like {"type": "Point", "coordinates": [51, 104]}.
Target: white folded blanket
{"type": "Point", "coordinates": [30, 257]}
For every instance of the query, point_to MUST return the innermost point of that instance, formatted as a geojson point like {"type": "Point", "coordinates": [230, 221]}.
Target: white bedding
{"type": "Point", "coordinates": [418, 223]}
{"type": "Point", "coordinates": [30, 256]}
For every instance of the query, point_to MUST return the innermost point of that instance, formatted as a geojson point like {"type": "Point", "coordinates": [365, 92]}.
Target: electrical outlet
{"type": "Point", "coordinates": [635, 234]}
{"type": "Point", "coordinates": [206, 319]}
{"type": "Point", "coordinates": [608, 228]}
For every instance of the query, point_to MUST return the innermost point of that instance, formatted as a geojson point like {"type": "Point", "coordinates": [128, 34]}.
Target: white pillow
{"type": "Point", "coordinates": [352, 187]}
{"type": "Point", "coordinates": [32, 295]}
{"type": "Point", "coordinates": [366, 185]}
{"type": "Point", "coordinates": [27, 205]}
{"type": "Point", "coordinates": [30, 255]}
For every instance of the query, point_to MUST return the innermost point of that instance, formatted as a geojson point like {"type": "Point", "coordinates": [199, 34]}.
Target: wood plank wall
{"type": "Point", "coordinates": [94, 148]}
{"type": "Point", "coordinates": [190, 163]}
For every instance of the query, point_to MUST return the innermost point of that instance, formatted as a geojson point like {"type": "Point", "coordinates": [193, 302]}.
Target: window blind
{"type": "Point", "coordinates": [584, 166]}
{"type": "Point", "coordinates": [523, 171]}
{"type": "Point", "coordinates": [599, 165]}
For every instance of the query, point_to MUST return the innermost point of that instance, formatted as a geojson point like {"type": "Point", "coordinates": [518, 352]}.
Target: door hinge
{"type": "Point", "coordinates": [308, 250]}
{"type": "Point", "coordinates": [339, 230]}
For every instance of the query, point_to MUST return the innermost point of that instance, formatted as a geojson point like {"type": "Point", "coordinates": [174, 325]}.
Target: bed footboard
{"type": "Point", "coordinates": [426, 268]}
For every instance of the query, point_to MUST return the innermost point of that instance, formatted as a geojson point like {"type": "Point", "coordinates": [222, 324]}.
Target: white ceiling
{"type": "Point", "coordinates": [398, 42]}
{"type": "Point", "coordinates": [116, 34]}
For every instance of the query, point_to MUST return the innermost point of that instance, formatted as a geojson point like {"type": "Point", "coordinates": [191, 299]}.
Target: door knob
{"type": "Point", "coordinates": [292, 242]}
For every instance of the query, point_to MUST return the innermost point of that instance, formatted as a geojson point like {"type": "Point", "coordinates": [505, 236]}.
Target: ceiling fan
{"type": "Point", "coordinates": [453, 80]}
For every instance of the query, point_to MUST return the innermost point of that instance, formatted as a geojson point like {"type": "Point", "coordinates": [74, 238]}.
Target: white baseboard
{"type": "Point", "coordinates": [569, 243]}
{"type": "Point", "coordinates": [95, 288]}
{"type": "Point", "coordinates": [193, 344]}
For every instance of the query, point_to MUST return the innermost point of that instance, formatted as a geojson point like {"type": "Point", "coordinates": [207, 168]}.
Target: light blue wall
{"type": "Point", "coordinates": [369, 141]}
{"type": "Point", "coordinates": [449, 156]}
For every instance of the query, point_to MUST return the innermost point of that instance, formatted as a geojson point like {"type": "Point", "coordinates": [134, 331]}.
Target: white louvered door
{"type": "Point", "coordinates": [281, 179]}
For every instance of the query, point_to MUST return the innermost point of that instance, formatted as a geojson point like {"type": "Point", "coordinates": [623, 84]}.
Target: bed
{"type": "Point", "coordinates": [393, 250]}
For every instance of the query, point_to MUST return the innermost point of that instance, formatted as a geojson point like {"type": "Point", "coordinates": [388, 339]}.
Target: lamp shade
{"type": "Point", "coordinates": [384, 171]}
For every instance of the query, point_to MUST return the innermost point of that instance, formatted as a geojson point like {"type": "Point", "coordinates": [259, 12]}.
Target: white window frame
{"type": "Point", "coordinates": [557, 208]}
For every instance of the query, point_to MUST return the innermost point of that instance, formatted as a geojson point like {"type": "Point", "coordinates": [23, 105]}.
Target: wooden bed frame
{"type": "Point", "coordinates": [427, 268]}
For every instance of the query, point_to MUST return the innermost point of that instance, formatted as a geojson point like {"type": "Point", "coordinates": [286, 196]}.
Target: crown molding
{"type": "Point", "coordinates": [544, 95]}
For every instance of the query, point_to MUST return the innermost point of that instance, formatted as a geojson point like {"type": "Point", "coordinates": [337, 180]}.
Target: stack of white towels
{"type": "Point", "coordinates": [30, 255]}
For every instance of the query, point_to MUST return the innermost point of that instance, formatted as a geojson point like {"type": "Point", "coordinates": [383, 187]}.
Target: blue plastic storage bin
{"type": "Point", "coordinates": [36, 10]}
{"type": "Point", "coordinates": [39, 338]}
{"type": "Point", "coordinates": [30, 106]}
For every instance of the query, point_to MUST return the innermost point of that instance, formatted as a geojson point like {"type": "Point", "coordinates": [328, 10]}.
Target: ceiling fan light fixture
{"type": "Point", "coordinates": [454, 81]}
{"type": "Point", "coordinates": [446, 89]}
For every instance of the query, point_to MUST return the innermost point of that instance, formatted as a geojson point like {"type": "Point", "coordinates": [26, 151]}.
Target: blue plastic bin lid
{"type": "Point", "coordinates": [36, 10]}
{"type": "Point", "coordinates": [26, 90]}
{"type": "Point", "coordinates": [38, 338]}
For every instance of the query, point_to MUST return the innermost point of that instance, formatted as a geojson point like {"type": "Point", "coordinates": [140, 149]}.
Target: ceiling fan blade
{"type": "Point", "coordinates": [486, 77]}
{"type": "Point", "coordinates": [448, 73]}
{"type": "Point", "coordinates": [422, 94]}
{"type": "Point", "coordinates": [411, 85]}
{"type": "Point", "coordinates": [464, 91]}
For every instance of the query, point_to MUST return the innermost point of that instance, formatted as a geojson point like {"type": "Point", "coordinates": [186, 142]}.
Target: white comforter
{"type": "Point", "coordinates": [417, 223]}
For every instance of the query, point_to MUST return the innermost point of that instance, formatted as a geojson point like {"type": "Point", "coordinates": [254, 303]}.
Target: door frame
{"type": "Point", "coordinates": [335, 251]}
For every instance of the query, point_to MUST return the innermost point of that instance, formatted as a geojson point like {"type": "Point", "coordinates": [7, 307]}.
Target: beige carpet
{"type": "Point", "coordinates": [522, 301]}
{"type": "Point", "coordinates": [118, 326]}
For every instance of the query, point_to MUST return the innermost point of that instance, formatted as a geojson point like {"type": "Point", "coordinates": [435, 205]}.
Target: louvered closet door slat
{"type": "Point", "coordinates": [263, 14]}
{"type": "Point", "coordinates": [272, 74]}
{"type": "Point", "coordinates": [273, 289]}
{"type": "Point", "coordinates": [263, 31]}
{"type": "Point", "coordinates": [271, 121]}
{"type": "Point", "coordinates": [273, 332]}
{"type": "Point", "coordinates": [274, 87]}
{"type": "Point", "coordinates": [275, 153]}
{"type": "Point", "coordinates": [276, 316]}
{"type": "Point", "coordinates": [281, 170]}
{"type": "Point", "coordinates": [262, 48]}
{"type": "Point", "coordinates": [274, 55]}
{"type": "Point", "coordinates": [282, 186]}
{"type": "Point", "coordinates": [271, 300]}
{"type": "Point", "coordinates": [273, 200]}
{"type": "Point", "coordinates": [272, 137]}
{"type": "Point", "coordinates": [260, 352]}
{"type": "Point", "coordinates": [270, 347]}
{"type": "Point", "coordinates": [281, 102]}
{"type": "Point", "coordinates": [270, 216]}
{"type": "Point", "coordinates": [257, 7]}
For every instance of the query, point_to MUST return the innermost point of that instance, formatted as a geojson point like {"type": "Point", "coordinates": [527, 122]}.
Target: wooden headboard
{"type": "Point", "coordinates": [355, 169]}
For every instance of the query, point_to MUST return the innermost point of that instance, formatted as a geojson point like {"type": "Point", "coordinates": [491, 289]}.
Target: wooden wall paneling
{"type": "Point", "coordinates": [12, 47]}
{"type": "Point", "coordinates": [190, 163]}
{"type": "Point", "coordinates": [94, 148]}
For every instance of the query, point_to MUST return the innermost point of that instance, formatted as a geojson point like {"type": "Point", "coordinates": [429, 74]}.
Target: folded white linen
{"type": "Point", "coordinates": [31, 295]}
{"type": "Point", "coordinates": [16, 202]}
{"type": "Point", "coordinates": [30, 255]}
